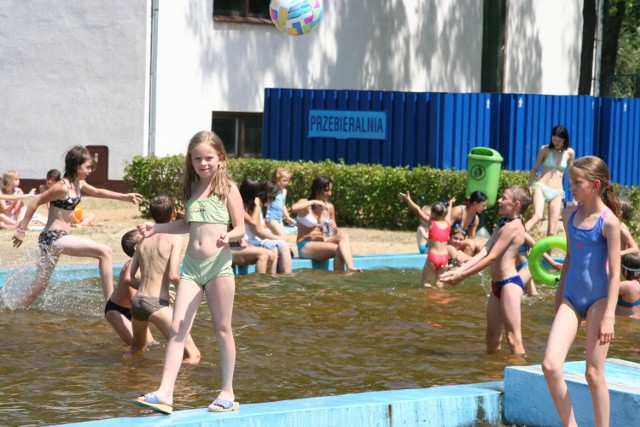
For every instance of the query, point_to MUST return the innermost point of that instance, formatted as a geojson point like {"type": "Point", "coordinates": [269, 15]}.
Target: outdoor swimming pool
{"type": "Point", "coordinates": [312, 333]}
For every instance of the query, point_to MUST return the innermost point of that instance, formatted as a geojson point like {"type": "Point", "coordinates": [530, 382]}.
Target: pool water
{"type": "Point", "coordinates": [312, 333]}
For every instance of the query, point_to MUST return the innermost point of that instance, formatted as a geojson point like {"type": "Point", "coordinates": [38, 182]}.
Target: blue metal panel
{"type": "Point", "coordinates": [439, 129]}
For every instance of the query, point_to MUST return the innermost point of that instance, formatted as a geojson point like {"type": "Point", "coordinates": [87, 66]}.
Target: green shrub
{"type": "Point", "coordinates": [365, 196]}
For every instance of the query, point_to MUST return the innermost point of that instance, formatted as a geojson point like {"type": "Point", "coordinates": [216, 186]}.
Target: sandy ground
{"type": "Point", "coordinates": [114, 218]}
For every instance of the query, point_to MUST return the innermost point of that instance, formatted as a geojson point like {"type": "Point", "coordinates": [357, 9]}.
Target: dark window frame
{"type": "Point", "coordinates": [240, 131]}
{"type": "Point", "coordinates": [242, 15]}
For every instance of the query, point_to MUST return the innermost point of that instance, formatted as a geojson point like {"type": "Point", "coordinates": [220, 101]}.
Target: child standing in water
{"type": "Point", "coordinates": [55, 239]}
{"type": "Point", "coordinates": [157, 258]}
{"type": "Point", "coordinates": [438, 235]}
{"type": "Point", "coordinates": [588, 287]}
{"type": "Point", "coordinates": [500, 251]}
{"type": "Point", "coordinates": [277, 210]}
{"type": "Point", "coordinates": [213, 218]}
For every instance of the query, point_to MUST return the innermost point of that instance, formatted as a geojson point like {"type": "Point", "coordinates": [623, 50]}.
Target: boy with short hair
{"type": "Point", "coordinates": [158, 259]}
{"type": "Point", "coordinates": [117, 311]}
{"type": "Point", "coordinates": [500, 251]}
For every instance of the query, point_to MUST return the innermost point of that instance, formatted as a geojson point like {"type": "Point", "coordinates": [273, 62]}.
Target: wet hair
{"type": "Point", "coordinates": [629, 263]}
{"type": "Point", "coordinates": [625, 209]}
{"type": "Point", "coordinates": [75, 157]}
{"type": "Point", "coordinates": [595, 169]}
{"type": "Point", "coordinates": [320, 183]}
{"type": "Point", "coordinates": [477, 197]}
{"type": "Point", "coordinates": [439, 209]}
{"type": "Point", "coordinates": [161, 209]}
{"type": "Point", "coordinates": [278, 173]}
{"type": "Point", "coordinates": [561, 132]}
{"type": "Point", "coordinates": [7, 181]}
{"type": "Point", "coordinates": [221, 180]}
{"type": "Point", "coordinates": [268, 190]}
{"type": "Point", "coordinates": [54, 174]}
{"type": "Point", "coordinates": [521, 193]}
{"type": "Point", "coordinates": [249, 190]}
{"type": "Point", "coordinates": [129, 241]}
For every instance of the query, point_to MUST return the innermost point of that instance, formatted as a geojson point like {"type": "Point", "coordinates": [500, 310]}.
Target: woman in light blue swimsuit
{"type": "Point", "coordinates": [318, 236]}
{"type": "Point", "coordinates": [588, 287]}
{"type": "Point", "coordinates": [554, 158]}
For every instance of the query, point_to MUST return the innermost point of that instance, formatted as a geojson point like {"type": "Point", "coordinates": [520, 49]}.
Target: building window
{"type": "Point", "coordinates": [241, 133]}
{"type": "Point", "coordinates": [245, 11]}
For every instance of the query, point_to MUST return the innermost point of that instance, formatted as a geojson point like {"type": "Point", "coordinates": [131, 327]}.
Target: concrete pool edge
{"type": "Point", "coordinates": [367, 262]}
{"type": "Point", "coordinates": [521, 399]}
{"type": "Point", "coordinates": [439, 406]}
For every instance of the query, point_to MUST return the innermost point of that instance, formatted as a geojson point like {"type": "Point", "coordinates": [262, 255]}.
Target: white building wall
{"type": "Point", "coordinates": [206, 66]}
{"type": "Point", "coordinates": [76, 72]}
{"type": "Point", "coordinates": [73, 72]}
{"type": "Point", "coordinates": [544, 40]}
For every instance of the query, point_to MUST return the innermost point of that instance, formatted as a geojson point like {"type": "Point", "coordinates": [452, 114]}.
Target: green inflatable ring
{"type": "Point", "coordinates": [538, 272]}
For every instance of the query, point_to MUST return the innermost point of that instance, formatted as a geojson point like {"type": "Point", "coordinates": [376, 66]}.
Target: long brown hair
{"type": "Point", "coordinates": [221, 180]}
{"type": "Point", "coordinates": [74, 158]}
{"type": "Point", "coordinates": [595, 169]}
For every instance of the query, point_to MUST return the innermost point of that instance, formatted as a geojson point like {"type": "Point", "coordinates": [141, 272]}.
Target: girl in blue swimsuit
{"type": "Point", "coordinates": [63, 197]}
{"type": "Point", "coordinates": [588, 286]}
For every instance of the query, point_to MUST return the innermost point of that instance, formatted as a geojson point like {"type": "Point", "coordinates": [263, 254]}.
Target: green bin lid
{"type": "Point", "coordinates": [482, 152]}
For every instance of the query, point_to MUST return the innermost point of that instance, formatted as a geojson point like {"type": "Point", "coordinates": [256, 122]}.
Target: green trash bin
{"type": "Point", "coordinates": [483, 172]}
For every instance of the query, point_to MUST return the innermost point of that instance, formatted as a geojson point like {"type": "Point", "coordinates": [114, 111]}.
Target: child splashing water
{"type": "Point", "coordinates": [588, 287]}
{"type": "Point", "coordinates": [55, 239]}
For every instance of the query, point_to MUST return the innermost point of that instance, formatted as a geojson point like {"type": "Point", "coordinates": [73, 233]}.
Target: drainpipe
{"type": "Point", "coordinates": [153, 67]}
{"type": "Point", "coordinates": [598, 49]}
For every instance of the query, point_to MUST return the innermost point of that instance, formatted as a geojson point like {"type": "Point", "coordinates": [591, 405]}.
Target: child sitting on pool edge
{"type": "Point", "coordinates": [500, 251]}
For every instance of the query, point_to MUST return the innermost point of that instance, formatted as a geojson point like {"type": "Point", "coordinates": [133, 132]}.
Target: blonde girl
{"type": "Point", "coordinates": [11, 205]}
{"type": "Point", "coordinates": [588, 287]}
{"type": "Point", "coordinates": [277, 211]}
{"type": "Point", "coordinates": [213, 218]}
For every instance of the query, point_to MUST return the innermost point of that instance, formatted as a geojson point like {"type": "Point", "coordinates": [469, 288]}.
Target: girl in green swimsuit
{"type": "Point", "coordinates": [214, 217]}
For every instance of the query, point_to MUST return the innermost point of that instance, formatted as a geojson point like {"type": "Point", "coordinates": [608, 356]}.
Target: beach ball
{"type": "Point", "coordinates": [296, 17]}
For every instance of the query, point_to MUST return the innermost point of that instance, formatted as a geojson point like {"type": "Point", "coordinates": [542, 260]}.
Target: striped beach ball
{"type": "Point", "coordinates": [296, 17]}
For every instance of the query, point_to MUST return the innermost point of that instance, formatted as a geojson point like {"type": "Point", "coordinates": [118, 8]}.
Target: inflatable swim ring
{"type": "Point", "coordinates": [538, 272]}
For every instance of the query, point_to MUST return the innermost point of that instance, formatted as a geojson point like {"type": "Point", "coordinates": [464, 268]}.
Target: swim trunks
{"type": "Point", "coordinates": [49, 237]}
{"type": "Point", "coordinates": [142, 307]}
{"type": "Point", "coordinates": [623, 303]}
{"type": "Point", "coordinates": [202, 271]}
{"type": "Point", "coordinates": [112, 306]}
{"type": "Point", "coordinates": [497, 285]}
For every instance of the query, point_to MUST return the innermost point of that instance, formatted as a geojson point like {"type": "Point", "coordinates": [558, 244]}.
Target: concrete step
{"type": "Point", "coordinates": [527, 400]}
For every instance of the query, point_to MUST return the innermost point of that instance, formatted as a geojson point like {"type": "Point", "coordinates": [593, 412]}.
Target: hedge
{"type": "Point", "coordinates": [365, 196]}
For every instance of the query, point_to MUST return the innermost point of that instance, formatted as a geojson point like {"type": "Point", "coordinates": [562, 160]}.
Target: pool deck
{"type": "Point", "coordinates": [522, 399]}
